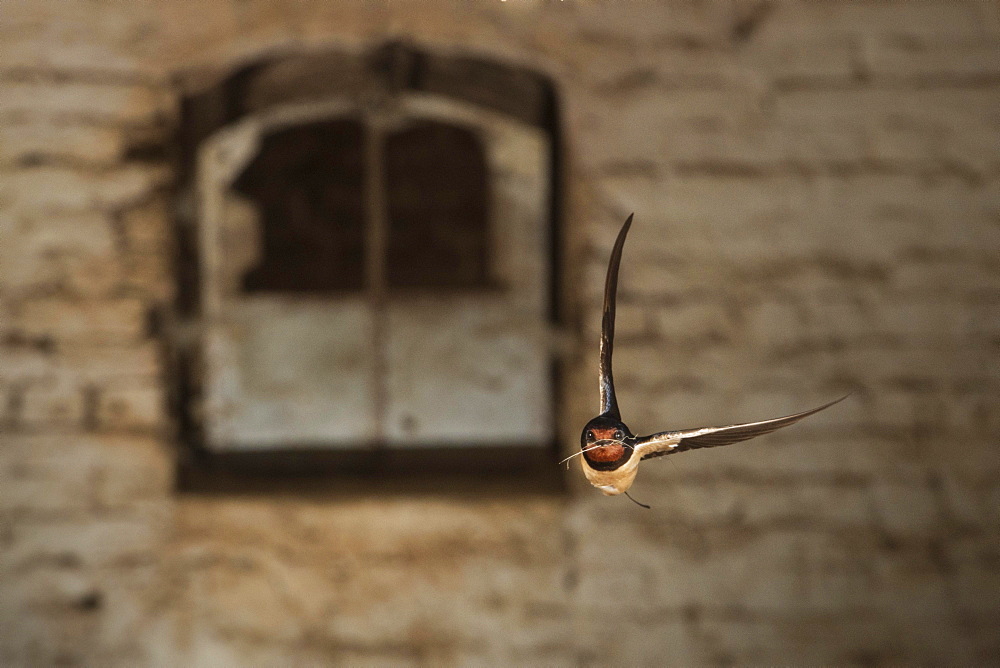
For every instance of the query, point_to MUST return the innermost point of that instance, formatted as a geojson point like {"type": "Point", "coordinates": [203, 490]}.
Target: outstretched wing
{"type": "Point", "coordinates": [609, 404]}
{"type": "Point", "coordinates": [669, 442]}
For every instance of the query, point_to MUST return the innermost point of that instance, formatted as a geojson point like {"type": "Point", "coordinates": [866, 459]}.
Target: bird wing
{"type": "Point", "coordinates": [669, 442]}
{"type": "Point", "coordinates": [609, 404]}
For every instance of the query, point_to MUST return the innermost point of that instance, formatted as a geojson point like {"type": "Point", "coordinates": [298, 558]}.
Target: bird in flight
{"type": "Point", "coordinates": [610, 452]}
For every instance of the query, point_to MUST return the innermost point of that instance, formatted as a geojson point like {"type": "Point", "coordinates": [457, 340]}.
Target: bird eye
{"type": "Point", "coordinates": [619, 435]}
{"type": "Point", "coordinates": [590, 435]}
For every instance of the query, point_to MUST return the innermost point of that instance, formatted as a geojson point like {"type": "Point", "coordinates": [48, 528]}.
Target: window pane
{"type": "Point", "coordinates": [437, 199]}
{"type": "Point", "coordinates": [308, 184]}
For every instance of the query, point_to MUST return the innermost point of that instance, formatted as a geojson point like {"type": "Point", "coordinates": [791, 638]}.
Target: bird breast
{"type": "Point", "coordinates": [615, 482]}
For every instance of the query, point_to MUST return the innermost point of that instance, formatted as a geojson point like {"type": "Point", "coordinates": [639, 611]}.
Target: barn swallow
{"type": "Point", "coordinates": [610, 451]}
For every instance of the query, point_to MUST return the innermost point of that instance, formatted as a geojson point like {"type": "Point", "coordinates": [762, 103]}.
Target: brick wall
{"type": "Point", "coordinates": [817, 211]}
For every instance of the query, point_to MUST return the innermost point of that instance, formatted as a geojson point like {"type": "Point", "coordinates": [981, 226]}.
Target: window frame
{"type": "Point", "coordinates": [202, 468]}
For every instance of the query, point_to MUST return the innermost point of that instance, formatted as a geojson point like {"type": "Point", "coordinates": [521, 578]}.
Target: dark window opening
{"type": "Point", "coordinates": [437, 207]}
{"type": "Point", "coordinates": [308, 184]}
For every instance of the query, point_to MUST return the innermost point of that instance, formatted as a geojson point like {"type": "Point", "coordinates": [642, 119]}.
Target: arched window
{"type": "Point", "coordinates": [368, 256]}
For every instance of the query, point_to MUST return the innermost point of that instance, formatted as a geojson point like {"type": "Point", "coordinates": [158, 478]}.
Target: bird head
{"type": "Point", "coordinates": [606, 443]}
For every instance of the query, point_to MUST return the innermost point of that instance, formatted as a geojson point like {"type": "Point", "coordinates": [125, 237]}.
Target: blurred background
{"type": "Point", "coordinates": [244, 239]}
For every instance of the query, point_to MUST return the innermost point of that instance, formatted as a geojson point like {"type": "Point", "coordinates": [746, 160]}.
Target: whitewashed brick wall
{"type": "Point", "coordinates": [817, 198]}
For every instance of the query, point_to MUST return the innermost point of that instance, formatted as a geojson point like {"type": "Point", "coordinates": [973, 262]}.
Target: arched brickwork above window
{"type": "Point", "coordinates": [281, 80]}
